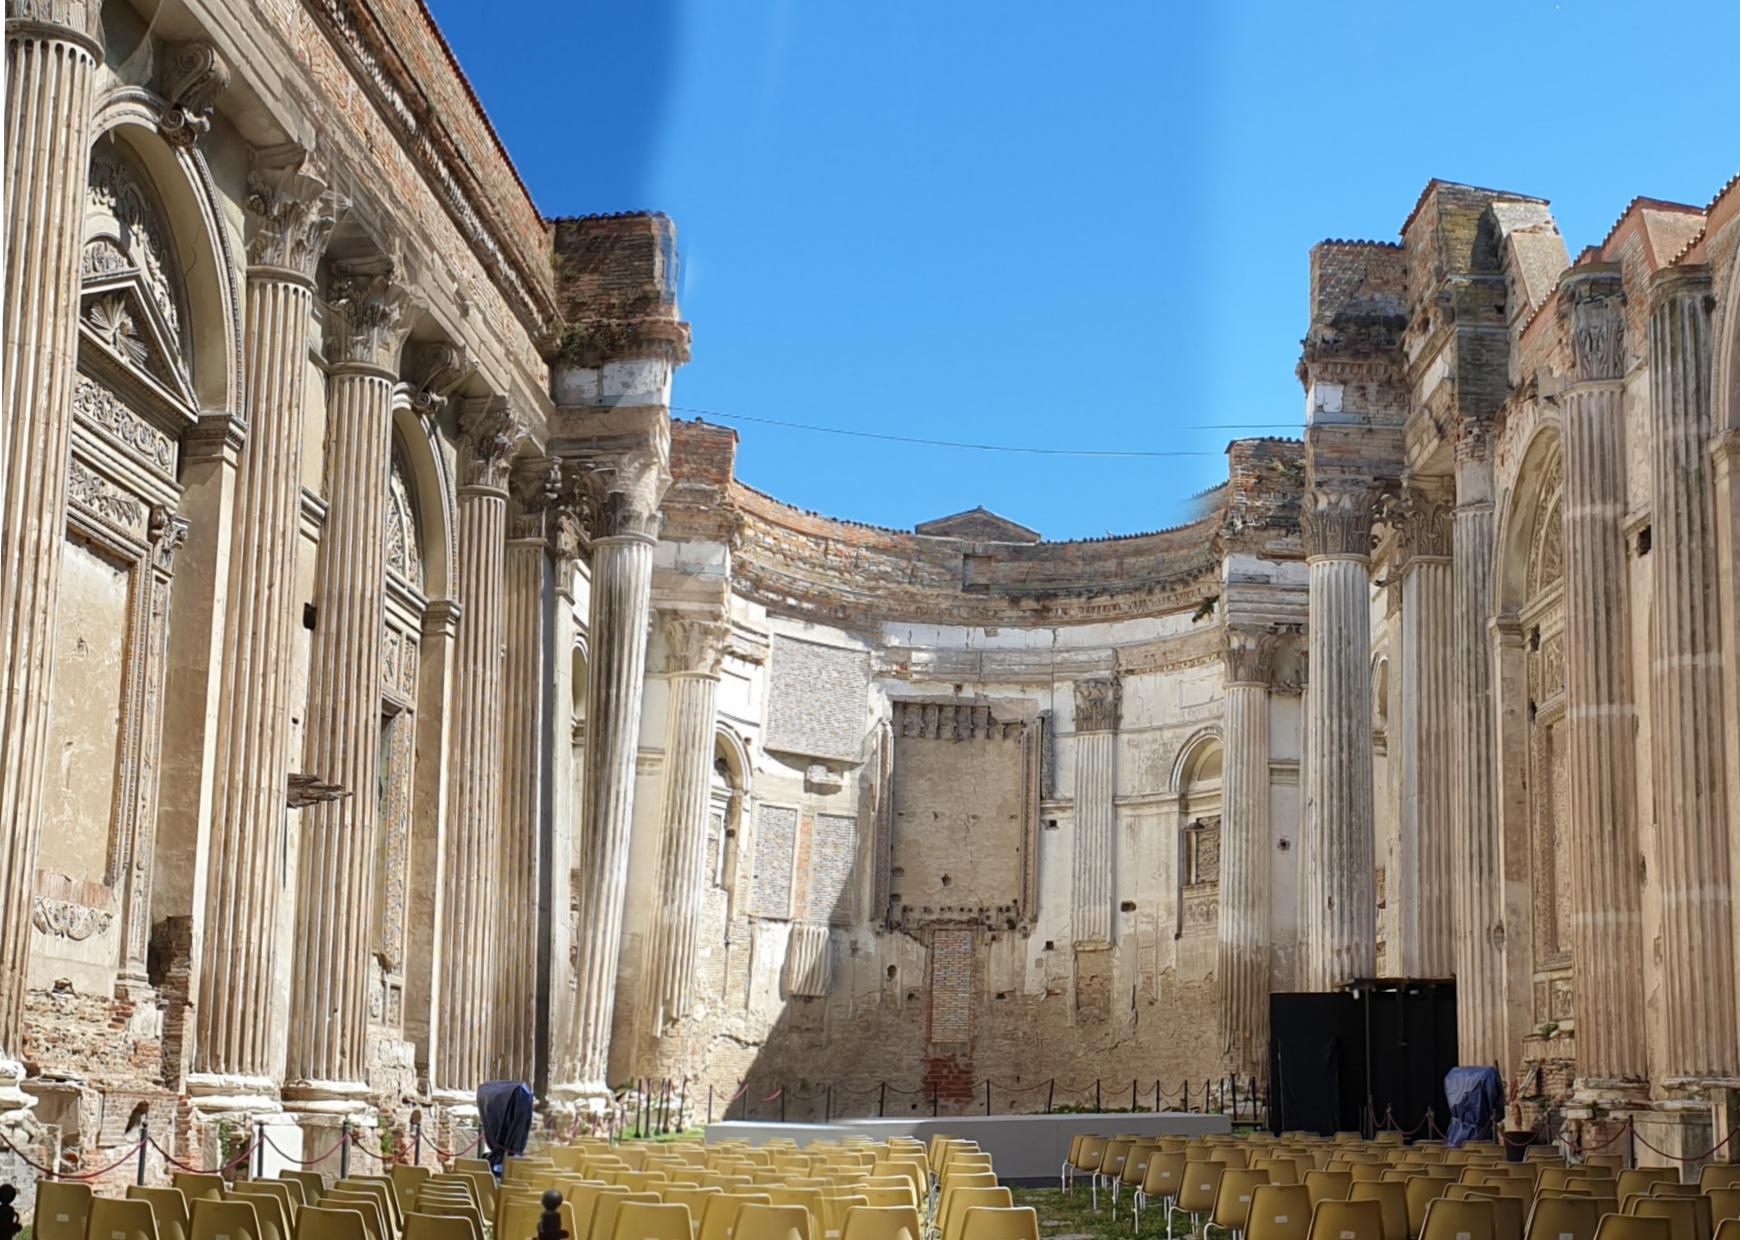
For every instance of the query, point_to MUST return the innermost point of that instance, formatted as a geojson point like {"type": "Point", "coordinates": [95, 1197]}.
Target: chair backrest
{"type": "Point", "coordinates": [1279, 1212]}
{"type": "Point", "coordinates": [772, 1222]}
{"type": "Point", "coordinates": [365, 1204]}
{"type": "Point", "coordinates": [1421, 1190]}
{"type": "Point", "coordinates": [1392, 1195]}
{"type": "Point", "coordinates": [1724, 1202]}
{"type": "Point", "coordinates": [651, 1220]}
{"type": "Point", "coordinates": [719, 1215]}
{"type": "Point", "coordinates": [1639, 1179]}
{"type": "Point", "coordinates": [1569, 1217]}
{"type": "Point", "coordinates": [1136, 1164]}
{"type": "Point", "coordinates": [1199, 1185]}
{"type": "Point", "coordinates": [197, 1184]}
{"type": "Point", "coordinates": [1347, 1220]}
{"type": "Point", "coordinates": [875, 1222]}
{"type": "Point", "coordinates": [1230, 1156]}
{"type": "Point", "coordinates": [1089, 1153]}
{"type": "Point", "coordinates": [1279, 1170]}
{"type": "Point", "coordinates": [310, 1183]}
{"type": "Point", "coordinates": [958, 1201]}
{"type": "Point", "coordinates": [1328, 1185]}
{"type": "Point", "coordinates": [114, 1218]}
{"type": "Point", "coordinates": [1000, 1223]}
{"type": "Point", "coordinates": [1460, 1220]}
{"type": "Point", "coordinates": [168, 1204]}
{"type": "Point", "coordinates": [233, 1219]}
{"type": "Point", "coordinates": [438, 1227]}
{"type": "Point", "coordinates": [1633, 1227]}
{"type": "Point", "coordinates": [1232, 1200]}
{"type": "Point", "coordinates": [605, 1208]}
{"type": "Point", "coordinates": [330, 1223]}
{"type": "Point", "coordinates": [1718, 1175]}
{"type": "Point", "coordinates": [1164, 1174]}
{"type": "Point", "coordinates": [1689, 1216]}
{"type": "Point", "coordinates": [835, 1207]}
{"type": "Point", "coordinates": [269, 1208]}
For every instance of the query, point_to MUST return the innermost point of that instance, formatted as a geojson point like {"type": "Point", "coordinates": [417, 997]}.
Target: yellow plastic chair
{"type": "Point", "coordinates": [365, 1204]}
{"type": "Point", "coordinates": [232, 1219]}
{"type": "Point", "coordinates": [1279, 1212]}
{"type": "Point", "coordinates": [1570, 1217]}
{"type": "Point", "coordinates": [268, 1208]}
{"type": "Point", "coordinates": [332, 1223]}
{"type": "Point", "coordinates": [772, 1222]}
{"type": "Point", "coordinates": [1633, 1227]}
{"type": "Point", "coordinates": [63, 1210]}
{"type": "Point", "coordinates": [1328, 1186]}
{"type": "Point", "coordinates": [605, 1208]}
{"type": "Point", "coordinates": [310, 1182]}
{"type": "Point", "coordinates": [1392, 1195]}
{"type": "Point", "coordinates": [832, 1219]}
{"type": "Point", "coordinates": [1460, 1220]}
{"type": "Point", "coordinates": [1197, 1189]}
{"type": "Point", "coordinates": [719, 1215]}
{"type": "Point", "coordinates": [1232, 1199]}
{"type": "Point", "coordinates": [197, 1184]}
{"type": "Point", "coordinates": [1689, 1217]}
{"type": "Point", "coordinates": [1346, 1220]}
{"type": "Point", "coordinates": [955, 1204]}
{"type": "Point", "coordinates": [875, 1222]}
{"type": "Point", "coordinates": [288, 1193]}
{"type": "Point", "coordinates": [1000, 1223]}
{"type": "Point", "coordinates": [167, 1205]}
{"type": "Point", "coordinates": [1718, 1175]}
{"type": "Point", "coordinates": [1422, 1191]}
{"type": "Point", "coordinates": [651, 1220]}
{"type": "Point", "coordinates": [1640, 1180]}
{"type": "Point", "coordinates": [439, 1227]}
{"type": "Point", "coordinates": [1279, 1170]}
{"type": "Point", "coordinates": [113, 1218]}
{"type": "Point", "coordinates": [1724, 1204]}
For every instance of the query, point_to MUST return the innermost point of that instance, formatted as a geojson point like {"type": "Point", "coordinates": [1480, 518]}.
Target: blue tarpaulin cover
{"type": "Point", "coordinates": [1476, 1098]}
{"type": "Point", "coordinates": [504, 1108]}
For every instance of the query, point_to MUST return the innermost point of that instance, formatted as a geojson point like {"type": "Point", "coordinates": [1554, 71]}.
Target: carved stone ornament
{"type": "Point", "coordinates": [695, 646]}
{"type": "Point", "coordinates": [370, 316]}
{"type": "Point", "coordinates": [445, 366]}
{"type": "Point", "coordinates": [535, 483]}
{"type": "Point", "coordinates": [626, 489]}
{"type": "Point", "coordinates": [66, 920]}
{"type": "Point", "coordinates": [1424, 518]}
{"type": "Point", "coordinates": [1336, 520]}
{"type": "Point", "coordinates": [1250, 656]}
{"type": "Point", "coordinates": [294, 211]}
{"type": "Point", "coordinates": [196, 75]}
{"type": "Point", "coordinates": [403, 534]}
{"type": "Point", "coordinates": [1592, 305]}
{"type": "Point", "coordinates": [1097, 703]}
{"type": "Point", "coordinates": [488, 431]}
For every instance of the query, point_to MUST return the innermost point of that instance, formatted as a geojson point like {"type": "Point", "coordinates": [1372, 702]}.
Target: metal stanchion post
{"type": "Point", "coordinates": [259, 1151]}
{"type": "Point", "coordinates": [144, 1144]}
{"type": "Point", "coordinates": [1050, 1093]}
{"type": "Point", "coordinates": [987, 1095]}
{"type": "Point", "coordinates": [344, 1149]}
{"type": "Point", "coordinates": [1096, 1093]}
{"type": "Point", "coordinates": [882, 1100]}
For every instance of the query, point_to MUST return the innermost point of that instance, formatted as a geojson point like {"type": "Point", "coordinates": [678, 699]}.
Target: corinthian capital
{"type": "Point", "coordinates": [626, 487]}
{"type": "Point", "coordinates": [1250, 655]}
{"type": "Point", "coordinates": [1335, 519]}
{"type": "Point", "coordinates": [79, 20]}
{"type": "Point", "coordinates": [293, 212]}
{"type": "Point", "coordinates": [535, 483]}
{"type": "Point", "coordinates": [371, 315]}
{"type": "Point", "coordinates": [1592, 306]}
{"type": "Point", "coordinates": [488, 432]}
{"type": "Point", "coordinates": [1097, 702]}
{"type": "Point", "coordinates": [694, 645]}
{"type": "Point", "coordinates": [1424, 516]}
{"type": "Point", "coordinates": [195, 77]}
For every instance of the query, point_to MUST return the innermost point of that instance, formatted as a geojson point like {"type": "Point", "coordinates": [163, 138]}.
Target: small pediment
{"type": "Point", "coordinates": [117, 312]}
{"type": "Point", "coordinates": [977, 525]}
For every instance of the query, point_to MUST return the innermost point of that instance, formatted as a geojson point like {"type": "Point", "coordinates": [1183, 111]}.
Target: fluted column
{"type": "Point", "coordinates": [628, 491]}
{"type": "Point", "coordinates": [1601, 710]}
{"type": "Point", "coordinates": [292, 215]}
{"type": "Point", "coordinates": [328, 1053]}
{"type": "Point", "coordinates": [694, 647]}
{"type": "Point", "coordinates": [1091, 889]}
{"type": "Point", "coordinates": [533, 485]}
{"type": "Point", "coordinates": [51, 53]}
{"type": "Point", "coordinates": [1338, 903]}
{"type": "Point", "coordinates": [1477, 875]}
{"type": "Point", "coordinates": [1686, 715]}
{"type": "Point", "coordinates": [1423, 523]}
{"type": "Point", "coordinates": [468, 926]}
{"type": "Point", "coordinates": [1242, 947]}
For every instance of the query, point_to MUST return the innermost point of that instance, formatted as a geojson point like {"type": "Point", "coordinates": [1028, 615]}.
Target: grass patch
{"type": "Point", "coordinates": [1073, 1215]}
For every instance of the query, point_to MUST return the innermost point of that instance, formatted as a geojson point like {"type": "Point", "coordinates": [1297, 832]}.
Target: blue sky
{"type": "Point", "coordinates": [1061, 226]}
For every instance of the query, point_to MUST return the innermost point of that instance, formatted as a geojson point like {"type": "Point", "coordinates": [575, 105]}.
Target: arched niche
{"type": "Point", "coordinates": [181, 182]}
{"type": "Point", "coordinates": [728, 800]}
{"type": "Point", "coordinates": [1196, 780]}
{"type": "Point", "coordinates": [416, 443]}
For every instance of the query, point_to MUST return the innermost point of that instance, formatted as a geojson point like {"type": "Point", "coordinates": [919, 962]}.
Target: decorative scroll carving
{"type": "Point", "coordinates": [535, 484]}
{"type": "Point", "coordinates": [1592, 304]}
{"type": "Point", "coordinates": [393, 859]}
{"type": "Point", "coordinates": [370, 315]}
{"type": "Point", "coordinates": [66, 920]}
{"type": "Point", "coordinates": [695, 646]}
{"type": "Point", "coordinates": [1336, 519]}
{"type": "Point", "coordinates": [294, 212]}
{"type": "Point", "coordinates": [1547, 556]}
{"type": "Point", "coordinates": [1424, 518]}
{"type": "Point", "coordinates": [489, 431]}
{"type": "Point", "coordinates": [445, 366]}
{"type": "Point", "coordinates": [101, 498]}
{"type": "Point", "coordinates": [626, 489]}
{"type": "Point", "coordinates": [1097, 703]}
{"type": "Point", "coordinates": [165, 532]}
{"type": "Point", "coordinates": [102, 408]}
{"type": "Point", "coordinates": [404, 530]}
{"type": "Point", "coordinates": [1250, 655]}
{"type": "Point", "coordinates": [195, 77]}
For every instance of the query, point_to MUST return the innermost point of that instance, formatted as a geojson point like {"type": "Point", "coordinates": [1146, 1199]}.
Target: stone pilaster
{"type": "Point", "coordinates": [52, 50]}
{"type": "Point", "coordinates": [1423, 522]}
{"type": "Point", "coordinates": [694, 648]}
{"type": "Point", "coordinates": [293, 212]}
{"type": "Point", "coordinates": [1242, 947]}
{"type": "Point", "coordinates": [627, 486]}
{"type": "Point", "coordinates": [1686, 717]}
{"type": "Point", "coordinates": [1477, 873]}
{"type": "Point", "coordinates": [1097, 704]}
{"type": "Point", "coordinates": [1725, 457]}
{"type": "Point", "coordinates": [466, 964]}
{"type": "Point", "coordinates": [1337, 905]}
{"type": "Point", "coordinates": [1601, 710]}
{"type": "Point", "coordinates": [533, 485]}
{"type": "Point", "coordinates": [328, 1066]}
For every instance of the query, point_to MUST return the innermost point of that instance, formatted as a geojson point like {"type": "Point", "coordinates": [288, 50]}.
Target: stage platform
{"type": "Point", "coordinates": [1027, 1149]}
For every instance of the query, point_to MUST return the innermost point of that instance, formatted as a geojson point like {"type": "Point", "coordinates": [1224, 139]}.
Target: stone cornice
{"type": "Point", "coordinates": [408, 111]}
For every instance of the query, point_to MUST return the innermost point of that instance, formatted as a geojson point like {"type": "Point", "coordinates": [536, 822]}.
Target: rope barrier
{"type": "Point", "coordinates": [287, 1156]}
{"type": "Point", "coordinates": [30, 1162]}
{"type": "Point", "coordinates": [386, 1160]}
{"type": "Point", "coordinates": [241, 1157]}
{"type": "Point", "coordinates": [775, 1094]}
{"type": "Point", "coordinates": [448, 1156]}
